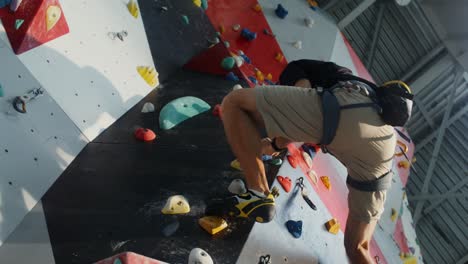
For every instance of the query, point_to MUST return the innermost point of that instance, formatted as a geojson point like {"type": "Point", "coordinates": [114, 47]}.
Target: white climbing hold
{"type": "Point", "coordinates": [236, 27]}
{"type": "Point", "coordinates": [239, 61]}
{"type": "Point", "coordinates": [313, 176]}
{"type": "Point", "coordinates": [176, 204]}
{"type": "Point", "coordinates": [237, 186]}
{"type": "Point", "coordinates": [237, 87]}
{"type": "Point", "coordinates": [199, 256]}
{"type": "Point", "coordinates": [309, 22]}
{"type": "Point", "coordinates": [298, 44]}
{"type": "Point", "coordinates": [147, 108]}
{"type": "Point", "coordinates": [307, 159]}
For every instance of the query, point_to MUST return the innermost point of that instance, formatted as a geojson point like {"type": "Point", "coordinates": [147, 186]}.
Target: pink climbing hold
{"type": "Point", "coordinates": [285, 182]}
{"type": "Point", "coordinates": [144, 134]}
{"type": "Point", "coordinates": [292, 161]}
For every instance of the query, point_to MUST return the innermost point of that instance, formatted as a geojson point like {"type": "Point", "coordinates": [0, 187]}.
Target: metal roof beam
{"type": "Point", "coordinates": [423, 62]}
{"type": "Point", "coordinates": [355, 13]}
{"type": "Point", "coordinates": [376, 35]}
{"type": "Point", "coordinates": [424, 112]}
{"type": "Point", "coordinates": [463, 260]}
{"type": "Point", "coordinates": [455, 188]}
{"type": "Point", "coordinates": [440, 138]}
{"type": "Point", "coordinates": [437, 197]}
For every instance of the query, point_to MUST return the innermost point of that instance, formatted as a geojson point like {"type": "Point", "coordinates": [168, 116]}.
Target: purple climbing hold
{"type": "Point", "coordinates": [281, 12]}
{"type": "Point", "coordinates": [295, 228]}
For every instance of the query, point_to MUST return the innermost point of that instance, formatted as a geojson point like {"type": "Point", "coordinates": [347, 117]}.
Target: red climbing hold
{"type": "Point", "coordinates": [285, 183]}
{"type": "Point", "coordinates": [217, 111]}
{"type": "Point", "coordinates": [145, 134]}
{"type": "Point", "coordinates": [292, 161]}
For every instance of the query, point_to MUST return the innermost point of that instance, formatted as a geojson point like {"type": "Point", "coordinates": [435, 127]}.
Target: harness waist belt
{"type": "Point", "coordinates": [380, 184]}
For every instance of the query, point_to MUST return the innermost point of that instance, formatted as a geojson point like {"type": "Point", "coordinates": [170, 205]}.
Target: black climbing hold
{"type": "Point", "coordinates": [294, 227]}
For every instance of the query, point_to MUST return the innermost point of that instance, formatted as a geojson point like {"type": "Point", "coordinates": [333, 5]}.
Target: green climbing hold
{"type": "Point", "coordinates": [18, 23]}
{"type": "Point", "coordinates": [228, 63]}
{"type": "Point", "coordinates": [204, 4]}
{"type": "Point", "coordinates": [117, 261]}
{"type": "Point", "coordinates": [227, 44]}
{"type": "Point", "coordinates": [276, 161]}
{"type": "Point", "coordinates": [181, 109]}
{"type": "Point", "coordinates": [185, 19]}
{"type": "Point", "coordinates": [1, 91]}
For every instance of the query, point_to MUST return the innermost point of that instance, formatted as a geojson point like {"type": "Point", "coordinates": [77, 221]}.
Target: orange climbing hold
{"type": "Point", "coordinates": [269, 77]}
{"type": "Point", "coordinates": [333, 226]}
{"type": "Point", "coordinates": [145, 134]}
{"type": "Point", "coordinates": [257, 8]}
{"type": "Point", "coordinates": [222, 29]}
{"type": "Point", "coordinates": [279, 57]}
{"type": "Point", "coordinates": [312, 3]}
{"type": "Point", "coordinates": [403, 164]}
{"type": "Point", "coordinates": [260, 76]}
{"type": "Point", "coordinates": [212, 224]}
{"type": "Point", "coordinates": [326, 181]}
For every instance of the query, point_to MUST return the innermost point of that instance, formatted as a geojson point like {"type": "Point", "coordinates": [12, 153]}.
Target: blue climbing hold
{"type": "Point", "coordinates": [310, 150]}
{"type": "Point", "coordinates": [246, 59]}
{"type": "Point", "coordinates": [253, 79]}
{"type": "Point", "coordinates": [4, 3]}
{"type": "Point", "coordinates": [181, 109]}
{"type": "Point", "coordinates": [269, 82]}
{"type": "Point", "coordinates": [232, 77]}
{"type": "Point", "coordinates": [266, 157]}
{"type": "Point", "coordinates": [281, 12]}
{"type": "Point", "coordinates": [249, 35]}
{"type": "Point", "coordinates": [295, 228]}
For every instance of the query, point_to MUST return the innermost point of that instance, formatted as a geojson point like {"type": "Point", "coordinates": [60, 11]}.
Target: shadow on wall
{"type": "Point", "coordinates": [93, 102]}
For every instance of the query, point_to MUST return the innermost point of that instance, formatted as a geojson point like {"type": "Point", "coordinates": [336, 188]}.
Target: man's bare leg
{"type": "Point", "coordinates": [239, 118]}
{"type": "Point", "coordinates": [357, 240]}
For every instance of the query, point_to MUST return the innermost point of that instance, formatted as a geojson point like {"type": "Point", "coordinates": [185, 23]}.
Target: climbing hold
{"type": "Point", "coordinates": [236, 27]}
{"type": "Point", "coordinates": [237, 186]}
{"type": "Point", "coordinates": [185, 19]}
{"type": "Point", "coordinates": [279, 57]}
{"type": "Point", "coordinates": [239, 61]}
{"type": "Point", "coordinates": [269, 76]}
{"type": "Point", "coordinates": [248, 35]}
{"type": "Point", "coordinates": [53, 15]}
{"type": "Point", "coordinates": [257, 8]}
{"type": "Point", "coordinates": [4, 3]}
{"type": "Point", "coordinates": [133, 8]}
{"type": "Point", "coordinates": [228, 63]}
{"type": "Point", "coordinates": [15, 4]}
{"type": "Point", "coordinates": [176, 204]}
{"type": "Point", "coordinates": [18, 23]}
{"type": "Point", "coordinates": [264, 259]}
{"type": "Point", "coordinates": [404, 164]}
{"type": "Point", "coordinates": [147, 108]}
{"type": "Point", "coordinates": [326, 181]}
{"type": "Point", "coordinates": [309, 149]}
{"type": "Point", "coordinates": [309, 22]}
{"type": "Point", "coordinates": [413, 160]}
{"type": "Point", "coordinates": [170, 227]}
{"type": "Point", "coordinates": [217, 111]}
{"type": "Point", "coordinates": [294, 227]}
{"type": "Point", "coordinates": [199, 256]}
{"type": "Point", "coordinates": [149, 74]}
{"type": "Point", "coordinates": [285, 182]}
{"type": "Point", "coordinates": [313, 176]}
{"type": "Point", "coordinates": [333, 226]}
{"type": "Point", "coordinates": [412, 250]}
{"type": "Point", "coordinates": [276, 161]}
{"type": "Point", "coordinates": [163, 8]}
{"type": "Point", "coordinates": [180, 110]}
{"type": "Point", "coordinates": [212, 224]}
{"type": "Point", "coordinates": [292, 161]}
{"type": "Point", "coordinates": [307, 159]}
{"type": "Point", "coordinates": [232, 77]}
{"type": "Point", "coordinates": [253, 79]}
{"type": "Point", "coordinates": [298, 44]}
{"type": "Point", "coordinates": [197, 3]}
{"type": "Point", "coordinates": [313, 4]}
{"type": "Point", "coordinates": [2, 93]}
{"type": "Point", "coordinates": [237, 87]}
{"type": "Point", "coordinates": [281, 12]}
{"type": "Point", "coordinates": [222, 29]}
{"type": "Point", "coordinates": [227, 44]}
{"type": "Point", "coordinates": [245, 58]}
{"type": "Point", "coordinates": [394, 215]}
{"type": "Point", "coordinates": [236, 165]}
{"type": "Point", "coordinates": [204, 4]}
{"type": "Point", "coordinates": [260, 76]}
{"type": "Point", "coordinates": [266, 157]}
{"type": "Point", "coordinates": [144, 134]}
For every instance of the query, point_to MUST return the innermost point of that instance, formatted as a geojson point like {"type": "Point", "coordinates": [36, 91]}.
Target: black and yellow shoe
{"type": "Point", "coordinates": [247, 205]}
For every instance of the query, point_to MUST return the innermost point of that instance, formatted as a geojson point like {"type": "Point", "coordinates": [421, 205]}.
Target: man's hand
{"type": "Point", "coordinates": [303, 83]}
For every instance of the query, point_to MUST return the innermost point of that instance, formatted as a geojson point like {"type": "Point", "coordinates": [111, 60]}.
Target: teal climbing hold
{"type": "Point", "coordinates": [228, 63]}
{"type": "Point", "coordinates": [117, 261]}
{"type": "Point", "coordinates": [1, 91]}
{"type": "Point", "coordinates": [181, 109]}
{"type": "Point", "coordinates": [227, 44]}
{"type": "Point", "coordinates": [204, 4]}
{"type": "Point", "coordinates": [185, 19]}
{"type": "Point", "coordinates": [18, 23]}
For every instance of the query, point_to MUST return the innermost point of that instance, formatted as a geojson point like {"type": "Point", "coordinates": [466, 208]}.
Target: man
{"type": "Point", "coordinates": [363, 142]}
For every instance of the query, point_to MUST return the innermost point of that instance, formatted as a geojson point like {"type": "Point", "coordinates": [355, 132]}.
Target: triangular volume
{"type": "Point", "coordinates": [210, 61]}
{"type": "Point", "coordinates": [43, 21]}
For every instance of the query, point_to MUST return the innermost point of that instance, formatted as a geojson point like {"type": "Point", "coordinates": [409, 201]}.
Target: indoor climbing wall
{"type": "Point", "coordinates": [35, 147]}
{"type": "Point", "coordinates": [87, 62]}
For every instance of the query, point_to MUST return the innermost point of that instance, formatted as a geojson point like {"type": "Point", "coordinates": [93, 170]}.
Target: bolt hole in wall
{"type": "Point", "coordinates": [19, 76]}
{"type": "Point", "coordinates": [10, 183]}
{"type": "Point", "coordinates": [6, 150]}
{"type": "Point", "coordinates": [32, 130]}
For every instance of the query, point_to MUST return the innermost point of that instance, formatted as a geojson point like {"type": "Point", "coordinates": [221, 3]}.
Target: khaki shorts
{"type": "Point", "coordinates": [363, 143]}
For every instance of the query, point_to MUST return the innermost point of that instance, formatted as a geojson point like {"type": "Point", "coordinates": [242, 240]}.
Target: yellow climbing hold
{"type": "Point", "coordinates": [176, 204]}
{"type": "Point", "coordinates": [404, 164]}
{"type": "Point", "coordinates": [212, 224]}
{"type": "Point", "coordinates": [236, 165]}
{"type": "Point", "coordinates": [326, 181]}
{"type": "Point", "coordinates": [197, 2]}
{"type": "Point", "coordinates": [149, 74]}
{"type": "Point", "coordinates": [333, 226]}
{"type": "Point", "coordinates": [394, 215]}
{"type": "Point", "coordinates": [53, 15]}
{"type": "Point", "coordinates": [133, 8]}
{"type": "Point", "coordinates": [269, 77]}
